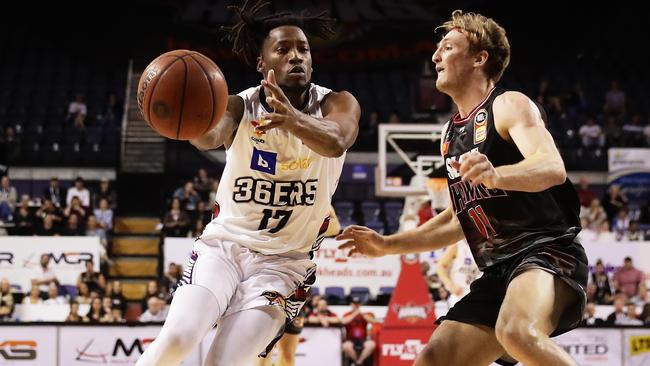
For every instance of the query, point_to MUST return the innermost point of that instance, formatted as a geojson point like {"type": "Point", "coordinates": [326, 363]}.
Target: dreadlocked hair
{"type": "Point", "coordinates": [249, 33]}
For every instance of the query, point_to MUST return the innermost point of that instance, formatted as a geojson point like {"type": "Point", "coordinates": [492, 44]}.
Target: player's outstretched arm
{"type": "Point", "coordinates": [439, 232]}
{"type": "Point", "coordinates": [518, 119]}
{"type": "Point", "coordinates": [224, 132]}
{"type": "Point", "coordinates": [329, 136]}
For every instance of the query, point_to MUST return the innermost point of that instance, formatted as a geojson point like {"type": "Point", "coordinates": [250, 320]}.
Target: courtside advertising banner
{"type": "Point", "coordinates": [637, 347]}
{"type": "Point", "coordinates": [335, 268]}
{"type": "Point", "coordinates": [110, 345]}
{"type": "Point", "coordinates": [592, 347]}
{"type": "Point", "coordinates": [20, 256]}
{"type": "Point", "coordinates": [401, 346]}
{"type": "Point", "coordinates": [28, 346]}
{"type": "Point", "coordinates": [630, 168]}
{"type": "Point", "coordinates": [177, 250]}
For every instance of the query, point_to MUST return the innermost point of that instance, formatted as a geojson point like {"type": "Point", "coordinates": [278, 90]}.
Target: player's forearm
{"type": "Point", "coordinates": [324, 137]}
{"type": "Point", "coordinates": [439, 232]}
{"type": "Point", "coordinates": [535, 173]}
{"type": "Point", "coordinates": [210, 140]}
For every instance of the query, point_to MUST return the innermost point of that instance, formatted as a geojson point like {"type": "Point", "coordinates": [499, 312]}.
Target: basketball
{"type": "Point", "coordinates": [182, 94]}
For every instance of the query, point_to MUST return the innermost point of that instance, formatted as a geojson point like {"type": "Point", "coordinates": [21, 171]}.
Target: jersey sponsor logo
{"type": "Point", "coordinates": [299, 163]}
{"type": "Point", "coordinates": [257, 140]}
{"type": "Point", "coordinates": [275, 193]}
{"type": "Point", "coordinates": [257, 123]}
{"type": "Point", "coordinates": [264, 161]}
{"type": "Point", "coordinates": [480, 127]}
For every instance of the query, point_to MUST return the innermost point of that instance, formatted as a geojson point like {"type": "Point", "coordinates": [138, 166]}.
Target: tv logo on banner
{"type": "Point", "coordinates": [121, 351]}
{"type": "Point", "coordinates": [17, 350]}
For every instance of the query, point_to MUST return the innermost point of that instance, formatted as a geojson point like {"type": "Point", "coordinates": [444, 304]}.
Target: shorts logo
{"type": "Point", "coordinates": [264, 161]}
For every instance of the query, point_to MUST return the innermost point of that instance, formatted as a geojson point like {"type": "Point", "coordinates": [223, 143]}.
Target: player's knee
{"type": "Point", "coordinates": [179, 341]}
{"type": "Point", "coordinates": [430, 356]}
{"type": "Point", "coordinates": [516, 334]}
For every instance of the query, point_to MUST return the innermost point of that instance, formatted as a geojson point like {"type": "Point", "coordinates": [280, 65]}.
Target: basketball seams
{"type": "Point", "coordinates": [153, 89]}
{"type": "Point", "coordinates": [214, 102]}
{"type": "Point", "coordinates": [182, 104]}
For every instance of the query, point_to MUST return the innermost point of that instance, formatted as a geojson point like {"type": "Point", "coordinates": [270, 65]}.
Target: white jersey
{"type": "Point", "coordinates": [275, 192]}
{"type": "Point", "coordinates": [463, 270]}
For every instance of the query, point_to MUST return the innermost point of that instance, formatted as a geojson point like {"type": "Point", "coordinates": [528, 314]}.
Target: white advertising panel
{"type": "Point", "coordinates": [636, 344]}
{"type": "Point", "coordinates": [592, 347]}
{"type": "Point", "coordinates": [28, 346]}
{"type": "Point", "coordinates": [109, 345]}
{"type": "Point", "coordinates": [21, 255]}
{"type": "Point", "coordinates": [177, 250]}
{"type": "Point", "coordinates": [335, 268]}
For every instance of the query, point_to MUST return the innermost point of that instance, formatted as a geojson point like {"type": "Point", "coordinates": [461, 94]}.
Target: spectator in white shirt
{"type": "Point", "coordinates": [33, 298]}
{"type": "Point", "coordinates": [43, 275]}
{"type": "Point", "coordinates": [80, 191]}
{"type": "Point", "coordinates": [154, 311]}
{"type": "Point", "coordinates": [54, 297]}
{"type": "Point", "coordinates": [591, 134]}
{"type": "Point", "coordinates": [77, 111]}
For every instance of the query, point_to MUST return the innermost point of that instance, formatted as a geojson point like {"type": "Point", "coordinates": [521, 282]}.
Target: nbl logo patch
{"type": "Point", "coordinates": [264, 161]}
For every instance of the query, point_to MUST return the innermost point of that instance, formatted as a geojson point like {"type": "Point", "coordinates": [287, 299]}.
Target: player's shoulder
{"type": "Point", "coordinates": [513, 107]}
{"type": "Point", "coordinates": [512, 99]}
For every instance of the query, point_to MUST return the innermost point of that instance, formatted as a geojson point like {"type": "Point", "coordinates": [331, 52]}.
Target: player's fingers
{"type": "Point", "coordinates": [277, 105]}
{"type": "Point", "coordinates": [472, 173]}
{"type": "Point", "coordinates": [347, 245]}
{"type": "Point", "coordinates": [455, 164]}
{"type": "Point", "coordinates": [345, 235]}
{"type": "Point", "coordinates": [354, 252]}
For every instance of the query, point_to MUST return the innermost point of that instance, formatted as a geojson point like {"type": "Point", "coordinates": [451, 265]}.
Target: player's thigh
{"type": "Point", "coordinates": [534, 297]}
{"type": "Point", "coordinates": [242, 336]}
{"type": "Point", "coordinates": [458, 344]}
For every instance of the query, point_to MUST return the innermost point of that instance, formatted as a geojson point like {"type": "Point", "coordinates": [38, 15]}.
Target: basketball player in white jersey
{"type": "Point", "coordinates": [285, 143]}
{"type": "Point", "coordinates": [457, 270]}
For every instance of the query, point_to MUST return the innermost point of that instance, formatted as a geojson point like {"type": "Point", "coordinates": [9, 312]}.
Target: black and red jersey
{"type": "Point", "coordinates": [499, 224]}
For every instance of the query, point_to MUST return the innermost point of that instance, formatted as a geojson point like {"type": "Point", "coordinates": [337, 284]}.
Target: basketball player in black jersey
{"type": "Point", "coordinates": [513, 203]}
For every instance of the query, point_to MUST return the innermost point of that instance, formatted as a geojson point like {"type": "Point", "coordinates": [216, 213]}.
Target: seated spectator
{"type": "Point", "coordinates": [173, 274]}
{"type": "Point", "coordinates": [614, 100]}
{"type": "Point", "coordinates": [631, 317]}
{"type": "Point", "coordinates": [24, 220]}
{"type": "Point", "coordinates": [628, 279]}
{"type": "Point", "coordinates": [633, 232]}
{"type": "Point", "coordinates": [645, 314]}
{"type": "Point", "coordinates": [613, 201]}
{"type": "Point", "coordinates": [6, 300]}
{"type": "Point", "coordinates": [117, 298]}
{"type": "Point", "coordinates": [311, 303]}
{"type": "Point", "coordinates": [55, 193]}
{"type": "Point", "coordinates": [618, 315]}
{"type": "Point", "coordinates": [43, 276]}
{"type": "Point", "coordinates": [34, 297]}
{"type": "Point", "coordinates": [96, 312]}
{"type": "Point", "coordinates": [188, 196]}
{"type": "Point", "coordinates": [74, 316]}
{"type": "Point", "coordinates": [73, 227]}
{"type": "Point", "coordinates": [83, 293]}
{"type": "Point", "coordinates": [53, 296]}
{"type": "Point", "coordinates": [197, 229]}
{"type": "Point", "coordinates": [176, 222]}
{"type": "Point", "coordinates": [80, 191]}
{"type": "Point", "coordinates": [154, 311]}
{"type": "Point", "coordinates": [613, 132]}
{"type": "Point", "coordinates": [621, 222]}
{"type": "Point", "coordinates": [590, 316]}
{"type": "Point", "coordinates": [104, 215]}
{"type": "Point", "coordinates": [202, 183]}
{"type": "Point", "coordinates": [357, 345]}
{"type": "Point", "coordinates": [47, 228]}
{"type": "Point", "coordinates": [600, 279]}
{"type": "Point", "coordinates": [322, 315]}
{"type": "Point", "coordinates": [8, 198]}
{"type": "Point", "coordinates": [117, 314]}
{"type": "Point", "coordinates": [77, 111]}
{"type": "Point", "coordinates": [596, 215]}
{"type": "Point", "coordinates": [48, 209]}
{"type": "Point", "coordinates": [153, 290]}
{"type": "Point", "coordinates": [75, 208]}
{"type": "Point", "coordinates": [591, 134]}
{"type": "Point", "coordinates": [105, 192]}
{"type": "Point", "coordinates": [95, 280]}
{"type": "Point", "coordinates": [112, 110]}
{"type": "Point", "coordinates": [93, 229]}
{"type": "Point", "coordinates": [633, 131]}
{"type": "Point", "coordinates": [443, 295]}
{"type": "Point", "coordinates": [585, 194]}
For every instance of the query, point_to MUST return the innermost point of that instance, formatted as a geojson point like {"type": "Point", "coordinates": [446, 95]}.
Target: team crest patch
{"type": "Point", "coordinates": [275, 298]}
{"type": "Point", "coordinates": [480, 118]}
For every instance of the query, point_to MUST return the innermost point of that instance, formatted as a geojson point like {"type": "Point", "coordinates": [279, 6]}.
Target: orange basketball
{"type": "Point", "coordinates": [182, 94]}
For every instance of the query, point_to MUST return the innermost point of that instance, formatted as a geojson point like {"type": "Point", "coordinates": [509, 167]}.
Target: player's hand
{"type": "Point", "coordinates": [475, 168]}
{"type": "Point", "coordinates": [362, 240]}
{"type": "Point", "coordinates": [284, 114]}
